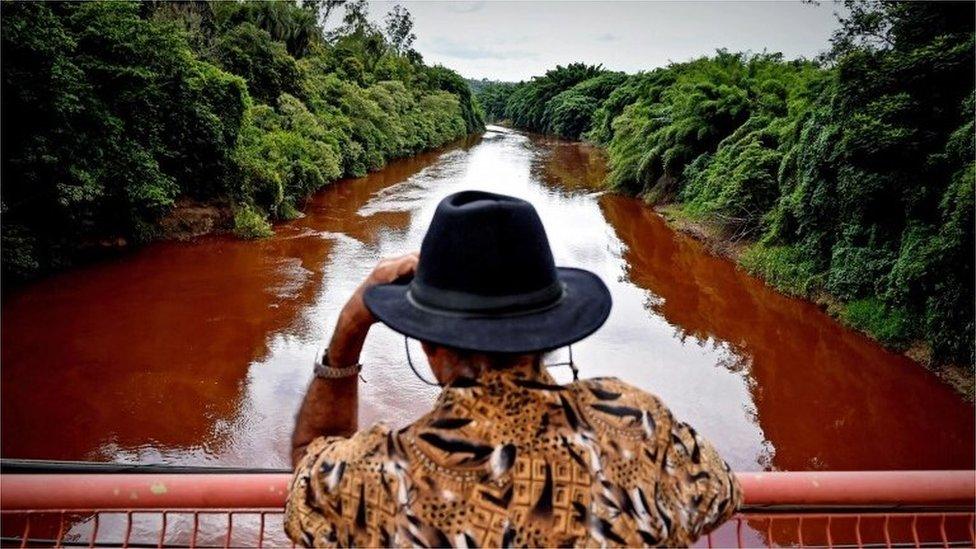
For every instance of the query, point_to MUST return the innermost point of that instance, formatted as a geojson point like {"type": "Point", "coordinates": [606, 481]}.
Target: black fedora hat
{"type": "Point", "coordinates": [486, 281]}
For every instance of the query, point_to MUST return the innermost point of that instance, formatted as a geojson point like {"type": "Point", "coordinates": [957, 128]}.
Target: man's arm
{"type": "Point", "coordinates": [331, 406]}
{"type": "Point", "coordinates": [701, 483]}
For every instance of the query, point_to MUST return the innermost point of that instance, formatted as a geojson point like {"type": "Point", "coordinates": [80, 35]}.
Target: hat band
{"type": "Point", "coordinates": [451, 301]}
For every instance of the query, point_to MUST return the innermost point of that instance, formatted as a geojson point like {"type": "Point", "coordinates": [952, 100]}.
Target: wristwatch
{"type": "Point", "coordinates": [326, 371]}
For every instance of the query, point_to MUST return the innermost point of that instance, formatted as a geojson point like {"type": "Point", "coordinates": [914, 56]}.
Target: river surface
{"type": "Point", "coordinates": [199, 352]}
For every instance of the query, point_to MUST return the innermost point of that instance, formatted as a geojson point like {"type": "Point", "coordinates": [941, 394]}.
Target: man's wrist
{"type": "Point", "coordinates": [325, 369]}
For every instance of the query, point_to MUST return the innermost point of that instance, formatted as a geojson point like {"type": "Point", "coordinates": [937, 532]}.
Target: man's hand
{"type": "Point", "coordinates": [355, 319]}
{"type": "Point", "coordinates": [331, 406]}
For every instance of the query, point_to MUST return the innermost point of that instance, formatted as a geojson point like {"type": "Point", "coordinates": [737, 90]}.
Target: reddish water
{"type": "Point", "coordinates": [198, 353]}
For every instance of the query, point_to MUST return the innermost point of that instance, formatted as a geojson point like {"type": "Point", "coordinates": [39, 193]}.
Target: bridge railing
{"type": "Point", "coordinates": [830, 509]}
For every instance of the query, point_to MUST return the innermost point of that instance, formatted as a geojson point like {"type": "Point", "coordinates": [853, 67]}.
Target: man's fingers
{"type": "Point", "coordinates": [391, 268]}
{"type": "Point", "coordinates": [407, 267]}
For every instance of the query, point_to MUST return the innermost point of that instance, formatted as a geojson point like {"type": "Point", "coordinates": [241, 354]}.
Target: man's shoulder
{"type": "Point", "coordinates": [612, 404]}
{"type": "Point", "coordinates": [614, 392]}
{"type": "Point", "coordinates": [333, 477]}
{"type": "Point", "coordinates": [363, 445]}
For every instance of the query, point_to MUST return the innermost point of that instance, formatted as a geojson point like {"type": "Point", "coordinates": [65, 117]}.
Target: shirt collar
{"type": "Point", "coordinates": [496, 382]}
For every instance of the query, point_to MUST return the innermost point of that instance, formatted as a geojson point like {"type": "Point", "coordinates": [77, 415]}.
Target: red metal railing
{"type": "Point", "coordinates": [862, 509]}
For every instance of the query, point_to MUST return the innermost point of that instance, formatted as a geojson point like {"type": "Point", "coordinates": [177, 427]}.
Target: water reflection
{"type": "Point", "coordinates": [825, 397]}
{"type": "Point", "coordinates": [199, 352]}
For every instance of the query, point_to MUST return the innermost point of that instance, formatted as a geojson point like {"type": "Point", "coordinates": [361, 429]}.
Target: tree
{"type": "Point", "coordinates": [250, 52]}
{"type": "Point", "coordinates": [527, 105]}
{"type": "Point", "coordinates": [355, 20]}
{"type": "Point", "coordinates": [287, 23]}
{"type": "Point", "coordinates": [114, 119]}
{"type": "Point", "coordinates": [113, 114]}
{"type": "Point", "coordinates": [399, 27]}
{"type": "Point", "coordinates": [322, 9]}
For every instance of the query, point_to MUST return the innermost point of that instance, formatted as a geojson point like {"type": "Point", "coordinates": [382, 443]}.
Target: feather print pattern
{"type": "Point", "coordinates": [512, 459]}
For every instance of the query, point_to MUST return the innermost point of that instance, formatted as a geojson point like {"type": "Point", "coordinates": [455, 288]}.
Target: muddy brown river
{"type": "Point", "coordinates": [198, 353]}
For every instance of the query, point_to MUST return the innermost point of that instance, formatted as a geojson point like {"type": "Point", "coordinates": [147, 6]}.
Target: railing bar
{"type": "Point", "coordinates": [94, 534]}
{"type": "Point", "coordinates": [128, 529]}
{"type": "Point", "coordinates": [57, 542]}
{"type": "Point", "coordinates": [942, 532]}
{"type": "Point", "coordinates": [41, 541]}
{"type": "Point", "coordinates": [196, 526]}
{"type": "Point", "coordinates": [891, 519]}
{"type": "Point", "coordinates": [49, 541]}
{"type": "Point", "coordinates": [26, 534]}
{"type": "Point", "coordinates": [933, 510]}
{"type": "Point", "coordinates": [162, 531]}
{"type": "Point", "coordinates": [830, 538]}
{"type": "Point", "coordinates": [749, 515]}
{"type": "Point", "coordinates": [887, 533]}
{"type": "Point", "coordinates": [915, 531]}
{"type": "Point", "coordinates": [866, 513]}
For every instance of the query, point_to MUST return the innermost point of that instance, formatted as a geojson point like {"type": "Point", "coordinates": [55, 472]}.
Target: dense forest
{"type": "Point", "coordinates": [850, 177]}
{"type": "Point", "coordinates": [115, 113]}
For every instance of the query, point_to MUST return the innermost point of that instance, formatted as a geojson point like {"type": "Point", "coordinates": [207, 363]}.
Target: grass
{"type": "Point", "coordinates": [782, 267]}
{"type": "Point", "coordinates": [889, 325]}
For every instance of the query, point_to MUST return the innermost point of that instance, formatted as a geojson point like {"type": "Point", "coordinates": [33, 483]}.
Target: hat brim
{"type": "Point", "coordinates": [582, 310]}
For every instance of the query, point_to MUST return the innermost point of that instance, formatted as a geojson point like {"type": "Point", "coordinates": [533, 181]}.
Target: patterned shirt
{"type": "Point", "coordinates": [513, 459]}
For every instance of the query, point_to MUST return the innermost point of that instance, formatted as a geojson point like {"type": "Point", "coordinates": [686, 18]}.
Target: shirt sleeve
{"type": "Point", "coordinates": [698, 483]}
{"type": "Point", "coordinates": [326, 491]}
{"type": "Point", "coordinates": [689, 489]}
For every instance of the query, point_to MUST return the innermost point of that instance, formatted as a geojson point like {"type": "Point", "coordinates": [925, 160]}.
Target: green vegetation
{"type": "Point", "coordinates": [889, 324]}
{"type": "Point", "coordinates": [853, 175]}
{"type": "Point", "coordinates": [492, 96]}
{"type": "Point", "coordinates": [114, 111]}
{"type": "Point", "coordinates": [783, 267]}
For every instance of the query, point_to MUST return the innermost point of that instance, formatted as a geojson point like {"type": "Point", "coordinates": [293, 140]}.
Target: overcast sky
{"type": "Point", "coordinates": [516, 40]}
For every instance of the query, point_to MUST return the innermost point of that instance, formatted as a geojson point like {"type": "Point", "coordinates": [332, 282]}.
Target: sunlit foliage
{"type": "Point", "coordinates": [853, 174]}
{"type": "Point", "coordinates": [878, 190]}
{"type": "Point", "coordinates": [526, 107]}
{"type": "Point", "coordinates": [113, 111]}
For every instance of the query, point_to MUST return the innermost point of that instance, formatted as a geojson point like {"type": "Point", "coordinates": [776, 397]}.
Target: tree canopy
{"type": "Point", "coordinates": [853, 175]}
{"type": "Point", "coordinates": [114, 111]}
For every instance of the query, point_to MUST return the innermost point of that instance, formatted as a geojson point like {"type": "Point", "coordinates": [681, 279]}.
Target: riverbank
{"type": "Point", "coordinates": [233, 121]}
{"type": "Point", "coordinates": [718, 242]}
{"type": "Point", "coordinates": [736, 248]}
{"type": "Point", "coordinates": [190, 219]}
{"type": "Point", "coordinates": [824, 165]}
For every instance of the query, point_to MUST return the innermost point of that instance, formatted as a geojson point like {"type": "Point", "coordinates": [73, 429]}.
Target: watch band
{"type": "Point", "coordinates": [326, 371]}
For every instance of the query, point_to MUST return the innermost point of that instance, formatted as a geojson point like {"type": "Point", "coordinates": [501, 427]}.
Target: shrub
{"type": "Point", "coordinates": [889, 325]}
{"type": "Point", "coordinates": [112, 112]}
{"type": "Point", "coordinates": [857, 177]}
{"type": "Point", "coordinates": [251, 224]}
{"type": "Point", "coordinates": [783, 267]}
{"type": "Point", "coordinates": [264, 64]}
